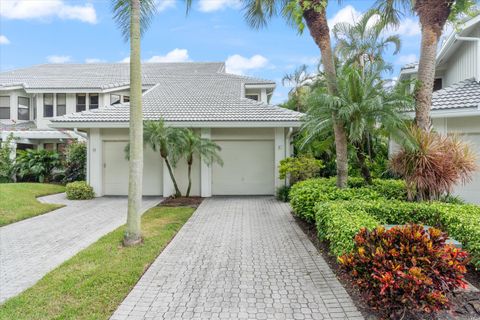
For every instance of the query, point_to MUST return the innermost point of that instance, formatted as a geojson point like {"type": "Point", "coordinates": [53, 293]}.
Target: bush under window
{"type": "Point", "coordinates": [79, 190]}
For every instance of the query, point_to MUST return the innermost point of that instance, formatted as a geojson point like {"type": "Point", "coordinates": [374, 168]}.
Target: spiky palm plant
{"type": "Point", "coordinates": [299, 80]}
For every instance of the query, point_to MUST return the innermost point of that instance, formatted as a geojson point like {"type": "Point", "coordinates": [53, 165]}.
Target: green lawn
{"type": "Point", "coordinates": [93, 283]}
{"type": "Point", "coordinates": [18, 200]}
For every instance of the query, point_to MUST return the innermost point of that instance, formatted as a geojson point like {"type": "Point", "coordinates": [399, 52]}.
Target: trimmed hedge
{"type": "Point", "coordinates": [304, 195]}
{"type": "Point", "coordinates": [338, 225]}
{"type": "Point", "coordinates": [79, 190]}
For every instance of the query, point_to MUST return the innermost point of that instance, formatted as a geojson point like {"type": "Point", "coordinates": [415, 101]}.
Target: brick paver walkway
{"type": "Point", "coordinates": [239, 258]}
{"type": "Point", "coordinates": [31, 248]}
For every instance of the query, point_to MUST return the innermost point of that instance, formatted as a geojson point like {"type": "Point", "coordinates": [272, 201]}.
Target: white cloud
{"type": "Point", "coordinates": [125, 60]}
{"type": "Point", "coordinates": [346, 14]}
{"type": "Point", "coordinates": [408, 27]}
{"type": "Point", "coordinates": [239, 64]}
{"type": "Point", "coordinates": [214, 5]}
{"type": "Point", "coordinates": [44, 9]}
{"type": "Point", "coordinates": [163, 5]}
{"type": "Point", "coordinates": [409, 58]}
{"type": "Point", "coordinates": [94, 60]}
{"type": "Point", "coordinates": [4, 39]}
{"type": "Point", "coordinates": [59, 59]}
{"type": "Point", "coordinates": [176, 55]}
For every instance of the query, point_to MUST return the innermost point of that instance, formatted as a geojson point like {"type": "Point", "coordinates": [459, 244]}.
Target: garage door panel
{"type": "Point", "coordinates": [116, 170]}
{"type": "Point", "coordinates": [248, 168]}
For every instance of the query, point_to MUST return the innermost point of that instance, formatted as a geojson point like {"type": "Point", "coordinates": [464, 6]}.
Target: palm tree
{"type": "Point", "coordinates": [193, 145]}
{"type": "Point", "coordinates": [314, 14]}
{"type": "Point", "coordinates": [299, 80]}
{"type": "Point", "coordinates": [362, 41]}
{"type": "Point", "coordinates": [133, 18]}
{"type": "Point", "coordinates": [168, 141]}
{"type": "Point", "coordinates": [363, 104]}
{"type": "Point", "coordinates": [433, 16]}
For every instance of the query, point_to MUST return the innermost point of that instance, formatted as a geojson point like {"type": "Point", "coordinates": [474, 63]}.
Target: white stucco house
{"type": "Point", "coordinates": [456, 99]}
{"type": "Point", "coordinates": [232, 110]}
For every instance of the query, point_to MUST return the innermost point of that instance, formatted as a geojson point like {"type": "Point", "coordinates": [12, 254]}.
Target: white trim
{"type": "Point", "coordinates": [455, 113]}
{"type": "Point", "coordinates": [152, 88]}
{"type": "Point", "coordinates": [260, 86]}
{"type": "Point", "coordinates": [187, 124]}
{"type": "Point", "coordinates": [14, 87]}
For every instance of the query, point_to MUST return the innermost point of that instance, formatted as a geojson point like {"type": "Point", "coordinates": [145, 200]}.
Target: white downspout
{"type": "Point", "coordinates": [477, 77]}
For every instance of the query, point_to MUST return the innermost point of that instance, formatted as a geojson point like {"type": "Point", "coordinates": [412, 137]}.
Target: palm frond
{"type": "Point", "coordinates": [121, 10]}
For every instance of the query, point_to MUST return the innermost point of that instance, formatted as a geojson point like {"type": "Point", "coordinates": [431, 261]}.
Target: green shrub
{"type": "Point", "coordinates": [75, 162]}
{"type": "Point", "coordinates": [390, 188]}
{"type": "Point", "coordinates": [406, 267]}
{"type": "Point", "coordinates": [79, 190]}
{"type": "Point", "coordinates": [6, 162]}
{"type": "Point", "coordinates": [282, 193]}
{"type": "Point", "coordinates": [299, 168]}
{"type": "Point", "coordinates": [338, 225]}
{"type": "Point", "coordinates": [36, 164]}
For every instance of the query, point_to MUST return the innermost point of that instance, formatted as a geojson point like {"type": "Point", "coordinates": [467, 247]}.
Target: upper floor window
{"type": "Point", "coordinates": [93, 101]}
{"type": "Point", "coordinates": [48, 105]}
{"type": "Point", "coordinates": [252, 96]}
{"type": "Point", "coordinates": [61, 104]}
{"type": "Point", "coordinates": [114, 99]}
{"type": "Point", "coordinates": [126, 99]}
{"type": "Point", "coordinates": [23, 108]}
{"type": "Point", "coordinates": [81, 102]}
{"type": "Point", "coordinates": [437, 84]}
{"type": "Point", "coordinates": [4, 107]}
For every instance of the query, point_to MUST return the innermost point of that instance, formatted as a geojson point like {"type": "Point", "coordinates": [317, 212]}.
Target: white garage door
{"type": "Point", "coordinates": [248, 168]}
{"type": "Point", "coordinates": [470, 192]}
{"type": "Point", "coordinates": [115, 172]}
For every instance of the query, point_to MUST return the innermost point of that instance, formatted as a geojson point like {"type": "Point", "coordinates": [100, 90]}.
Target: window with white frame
{"type": "Point", "coordinates": [126, 99]}
{"type": "Point", "coordinates": [48, 105]}
{"type": "Point", "coordinates": [4, 107]}
{"type": "Point", "coordinates": [61, 104]}
{"type": "Point", "coordinates": [93, 97]}
{"type": "Point", "coordinates": [81, 102]}
{"type": "Point", "coordinates": [23, 108]}
{"type": "Point", "coordinates": [252, 96]}
{"type": "Point", "coordinates": [114, 99]}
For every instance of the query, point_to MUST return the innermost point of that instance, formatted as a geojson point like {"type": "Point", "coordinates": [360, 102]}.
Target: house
{"type": "Point", "coordinates": [232, 110]}
{"type": "Point", "coordinates": [456, 97]}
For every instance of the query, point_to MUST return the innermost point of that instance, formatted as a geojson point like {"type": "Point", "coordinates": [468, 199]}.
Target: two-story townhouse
{"type": "Point", "coordinates": [456, 97]}
{"type": "Point", "coordinates": [232, 110]}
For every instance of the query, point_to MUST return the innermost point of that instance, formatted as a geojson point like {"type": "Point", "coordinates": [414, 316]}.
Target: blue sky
{"type": "Point", "coordinates": [61, 31]}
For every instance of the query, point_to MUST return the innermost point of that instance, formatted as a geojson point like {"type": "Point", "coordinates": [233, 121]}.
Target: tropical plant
{"type": "Point", "coordinates": [406, 269]}
{"type": "Point", "coordinates": [432, 164]}
{"type": "Point", "coordinates": [169, 141]}
{"type": "Point", "coordinates": [299, 168]}
{"type": "Point", "coordinates": [37, 164]}
{"type": "Point", "coordinates": [361, 42]}
{"type": "Point", "coordinates": [133, 18]}
{"type": "Point", "coordinates": [299, 81]}
{"type": "Point", "coordinates": [192, 145]}
{"type": "Point", "coordinates": [313, 14]}
{"type": "Point", "coordinates": [363, 104]}
{"type": "Point", "coordinates": [433, 16]}
{"type": "Point", "coordinates": [7, 164]}
{"type": "Point", "coordinates": [75, 162]}
{"type": "Point", "coordinates": [79, 190]}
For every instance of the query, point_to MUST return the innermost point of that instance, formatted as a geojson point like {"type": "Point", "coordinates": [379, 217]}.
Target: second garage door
{"type": "Point", "coordinates": [248, 168]}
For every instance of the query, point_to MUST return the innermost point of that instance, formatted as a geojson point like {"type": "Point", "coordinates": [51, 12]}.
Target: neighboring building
{"type": "Point", "coordinates": [456, 100]}
{"type": "Point", "coordinates": [93, 100]}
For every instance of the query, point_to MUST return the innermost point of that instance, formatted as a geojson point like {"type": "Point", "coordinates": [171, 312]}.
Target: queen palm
{"type": "Point", "coordinates": [314, 14]}
{"type": "Point", "coordinates": [299, 81]}
{"type": "Point", "coordinates": [168, 141]}
{"type": "Point", "coordinates": [363, 104]}
{"type": "Point", "coordinates": [433, 16]}
{"type": "Point", "coordinates": [362, 41]}
{"type": "Point", "coordinates": [133, 18]}
{"type": "Point", "coordinates": [193, 145]}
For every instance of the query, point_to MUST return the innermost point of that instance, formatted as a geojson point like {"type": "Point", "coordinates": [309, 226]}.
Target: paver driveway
{"type": "Point", "coordinates": [31, 248]}
{"type": "Point", "coordinates": [239, 258]}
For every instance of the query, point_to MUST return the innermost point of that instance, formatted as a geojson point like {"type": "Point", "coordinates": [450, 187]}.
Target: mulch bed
{"type": "Point", "coordinates": [466, 305]}
{"type": "Point", "coordinates": [193, 202]}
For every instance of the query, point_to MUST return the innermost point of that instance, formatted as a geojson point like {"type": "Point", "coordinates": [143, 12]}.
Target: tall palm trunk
{"type": "Point", "coordinates": [433, 15]}
{"type": "Point", "coordinates": [320, 32]}
{"type": "Point", "coordinates": [189, 162]}
{"type": "Point", "coordinates": [133, 230]}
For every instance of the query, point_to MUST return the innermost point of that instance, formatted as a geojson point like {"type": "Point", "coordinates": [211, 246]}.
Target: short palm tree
{"type": "Point", "coordinates": [133, 18]}
{"type": "Point", "coordinates": [299, 80]}
{"type": "Point", "coordinates": [363, 104]}
{"type": "Point", "coordinates": [168, 141]}
{"type": "Point", "coordinates": [361, 42]}
{"type": "Point", "coordinates": [193, 145]}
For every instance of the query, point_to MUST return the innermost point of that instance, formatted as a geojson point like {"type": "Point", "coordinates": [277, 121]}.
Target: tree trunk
{"type": "Point", "coordinates": [433, 15]}
{"type": "Point", "coordinates": [133, 231]}
{"type": "Point", "coordinates": [364, 170]}
{"type": "Point", "coordinates": [318, 26]}
{"type": "Point", "coordinates": [178, 193]}
{"type": "Point", "coordinates": [189, 179]}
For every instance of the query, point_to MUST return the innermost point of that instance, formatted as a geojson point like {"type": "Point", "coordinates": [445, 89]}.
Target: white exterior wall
{"type": "Point", "coordinates": [469, 129]}
{"type": "Point", "coordinates": [14, 94]}
{"type": "Point", "coordinates": [464, 62]}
